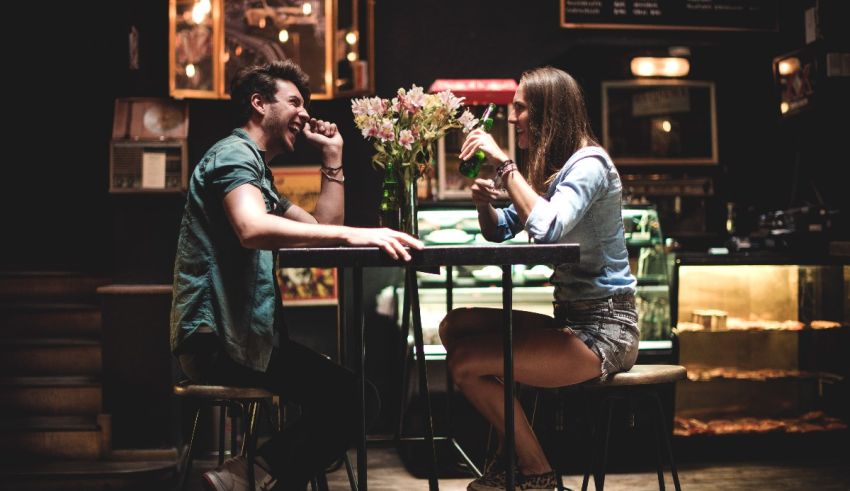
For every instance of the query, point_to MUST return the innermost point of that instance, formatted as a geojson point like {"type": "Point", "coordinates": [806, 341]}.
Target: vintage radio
{"type": "Point", "coordinates": [148, 151]}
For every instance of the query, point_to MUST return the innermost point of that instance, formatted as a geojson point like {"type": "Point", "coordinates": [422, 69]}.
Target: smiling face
{"type": "Point", "coordinates": [286, 115]}
{"type": "Point", "coordinates": [518, 116]}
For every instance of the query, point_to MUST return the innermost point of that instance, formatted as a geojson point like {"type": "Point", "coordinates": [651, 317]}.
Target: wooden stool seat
{"type": "Point", "coordinates": [220, 392]}
{"type": "Point", "coordinates": [638, 385]}
{"type": "Point", "coordinates": [643, 375]}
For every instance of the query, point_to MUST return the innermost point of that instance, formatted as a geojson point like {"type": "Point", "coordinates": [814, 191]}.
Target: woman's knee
{"type": "Point", "coordinates": [461, 362]}
{"type": "Point", "coordinates": [455, 323]}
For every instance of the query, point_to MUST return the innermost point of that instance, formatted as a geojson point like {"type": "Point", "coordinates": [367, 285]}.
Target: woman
{"type": "Point", "coordinates": [570, 192]}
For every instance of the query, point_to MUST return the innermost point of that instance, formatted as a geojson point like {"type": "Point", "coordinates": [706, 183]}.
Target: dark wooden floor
{"type": "Point", "coordinates": [388, 473]}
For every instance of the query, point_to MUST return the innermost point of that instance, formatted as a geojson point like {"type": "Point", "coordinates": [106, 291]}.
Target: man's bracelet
{"type": "Point", "coordinates": [330, 174]}
{"type": "Point", "coordinates": [332, 170]}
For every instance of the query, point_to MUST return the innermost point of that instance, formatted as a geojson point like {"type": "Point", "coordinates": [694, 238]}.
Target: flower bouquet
{"type": "Point", "coordinates": [404, 130]}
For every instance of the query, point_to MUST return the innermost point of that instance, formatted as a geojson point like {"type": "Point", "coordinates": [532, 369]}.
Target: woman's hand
{"type": "Point", "coordinates": [481, 140]}
{"type": "Point", "coordinates": [484, 192]}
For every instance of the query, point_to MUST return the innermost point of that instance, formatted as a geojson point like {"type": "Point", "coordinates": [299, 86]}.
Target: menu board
{"type": "Point", "coordinates": [709, 15]}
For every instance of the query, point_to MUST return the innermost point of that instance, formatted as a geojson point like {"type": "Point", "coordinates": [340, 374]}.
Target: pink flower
{"type": "Point", "coordinates": [406, 139]}
{"type": "Point", "coordinates": [386, 131]}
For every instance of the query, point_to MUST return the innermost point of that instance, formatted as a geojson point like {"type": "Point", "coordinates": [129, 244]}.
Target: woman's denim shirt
{"type": "Point", "coordinates": [583, 205]}
{"type": "Point", "coordinates": [218, 282]}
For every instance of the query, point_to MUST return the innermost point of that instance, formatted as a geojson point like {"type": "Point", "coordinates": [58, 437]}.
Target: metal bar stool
{"type": "Point", "coordinates": [242, 401]}
{"type": "Point", "coordinates": [639, 384]}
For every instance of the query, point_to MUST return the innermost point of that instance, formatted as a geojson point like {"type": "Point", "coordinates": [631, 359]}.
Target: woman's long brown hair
{"type": "Point", "coordinates": [557, 123]}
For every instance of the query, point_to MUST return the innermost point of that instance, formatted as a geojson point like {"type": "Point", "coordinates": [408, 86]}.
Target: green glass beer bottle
{"type": "Point", "coordinates": [471, 166]}
{"type": "Point", "coordinates": [389, 209]}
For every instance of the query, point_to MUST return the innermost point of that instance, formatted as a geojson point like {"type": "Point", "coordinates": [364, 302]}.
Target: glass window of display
{"type": "Point", "coordinates": [211, 40]}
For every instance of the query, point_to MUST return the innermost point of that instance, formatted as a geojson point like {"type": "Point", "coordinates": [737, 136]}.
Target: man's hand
{"type": "Point", "coordinates": [326, 137]}
{"type": "Point", "coordinates": [391, 241]}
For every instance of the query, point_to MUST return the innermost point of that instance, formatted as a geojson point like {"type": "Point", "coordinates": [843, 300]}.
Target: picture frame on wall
{"type": "Point", "coordinates": [307, 286]}
{"type": "Point", "coordinates": [300, 184]}
{"type": "Point", "coordinates": [304, 286]}
{"type": "Point", "coordinates": [660, 122]}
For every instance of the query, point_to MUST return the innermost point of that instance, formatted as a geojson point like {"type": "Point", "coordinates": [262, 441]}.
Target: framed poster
{"type": "Point", "coordinates": [301, 185]}
{"type": "Point", "coordinates": [304, 286]}
{"type": "Point", "coordinates": [307, 286]}
{"type": "Point", "coordinates": [660, 122]}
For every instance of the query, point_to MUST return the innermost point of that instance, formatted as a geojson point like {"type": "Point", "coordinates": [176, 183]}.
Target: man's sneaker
{"type": "Point", "coordinates": [232, 475]}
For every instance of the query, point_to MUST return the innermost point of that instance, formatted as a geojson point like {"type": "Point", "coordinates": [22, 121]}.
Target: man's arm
{"type": "Point", "coordinates": [257, 229]}
{"type": "Point", "coordinates": [330, 207]}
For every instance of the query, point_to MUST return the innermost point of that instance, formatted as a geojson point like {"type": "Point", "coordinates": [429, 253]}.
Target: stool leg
{"type": "Point", "coordinates": [350, 471]}
{"type": "Point", "coordinates": [322, 481]}
{"type": "Point", "coordinates": [234, 430]}
{"type": "Point", "coordinates": [187, 467]}
{"type": "Point", "coordinates": [659, 459]}
{"type": "Point", "coordinates": [590, 416]}
{"type": "Point", "coordinates": [666, 439]}
{"type": "Point", "coordinates": [599, 478]}
{"type": "Point", "coordinates": [251, 443]}
{"type": "Point", "coordinates": [221, 435]}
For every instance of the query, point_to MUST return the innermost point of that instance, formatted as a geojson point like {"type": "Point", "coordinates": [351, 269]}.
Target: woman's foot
{"type": "Point", "coordinates": [494, 480]}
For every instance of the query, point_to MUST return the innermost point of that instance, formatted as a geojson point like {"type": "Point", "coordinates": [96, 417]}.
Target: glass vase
{"type": "Point", "coordinates": [398, 207]}
{"type": "Point", "coordinates": [409, 204]}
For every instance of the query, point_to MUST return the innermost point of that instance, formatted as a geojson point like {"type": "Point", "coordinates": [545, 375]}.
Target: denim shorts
{"type": "Point", "coordinates": [608, 326]}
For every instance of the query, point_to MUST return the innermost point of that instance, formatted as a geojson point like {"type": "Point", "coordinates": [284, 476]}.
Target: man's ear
{"type": "Point", "coordinates": [258, 103]}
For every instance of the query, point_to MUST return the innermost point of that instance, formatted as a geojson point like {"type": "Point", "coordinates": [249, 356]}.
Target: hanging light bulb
{"type": "Point", "coordinates": [307, 8]}
{"type": "Point", "coordinates": [351, 38]}
{"type": "Point", "coordinates": [283, 36]}
{"type": "Point", "coordinates": [190, 70]}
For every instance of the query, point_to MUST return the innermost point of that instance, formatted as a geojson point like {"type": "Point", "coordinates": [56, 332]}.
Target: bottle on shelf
{"type": "Point", "coordinates": [472, 166]}
{"type": "Point", "coordinates": [389, 209]}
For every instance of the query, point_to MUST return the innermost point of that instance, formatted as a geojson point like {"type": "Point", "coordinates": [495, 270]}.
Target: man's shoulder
{"type": "Point", "coordinates": [234, 145]}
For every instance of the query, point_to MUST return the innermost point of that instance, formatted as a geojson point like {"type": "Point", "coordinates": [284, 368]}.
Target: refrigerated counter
{"type": "Point", "coordinates": [476, 286]}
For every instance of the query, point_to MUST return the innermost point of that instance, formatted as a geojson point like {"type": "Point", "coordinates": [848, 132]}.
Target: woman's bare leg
{"type": "Point", "coordinates": [542, 357]}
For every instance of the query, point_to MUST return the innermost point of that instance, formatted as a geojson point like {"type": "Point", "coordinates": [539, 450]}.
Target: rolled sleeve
{"type": "Point", "coordinates": [230, 170]}
{"type": "Point", "coordinates": [508, 224]}
{"type": "Point", "coordinates": [576, 189]}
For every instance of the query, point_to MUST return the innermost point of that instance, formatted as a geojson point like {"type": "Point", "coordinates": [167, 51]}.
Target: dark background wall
{"type": "Point", "coordinates": [64, 77]}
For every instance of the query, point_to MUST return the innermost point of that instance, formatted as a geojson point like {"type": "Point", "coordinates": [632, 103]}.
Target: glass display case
{"type": "Point", "coordinates": [211, 40]}
{"type": "Point", "coordinates": [765, 343]}
{"type": "Point", "coordinates": [477, 286]}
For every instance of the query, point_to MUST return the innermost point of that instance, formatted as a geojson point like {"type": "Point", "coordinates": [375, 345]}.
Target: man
{"type": "Point", "coordinates": [225, 309]}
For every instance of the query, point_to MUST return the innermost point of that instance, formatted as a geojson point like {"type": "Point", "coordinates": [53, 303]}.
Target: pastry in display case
{"type": "Point", "coordinates": [765, 343]}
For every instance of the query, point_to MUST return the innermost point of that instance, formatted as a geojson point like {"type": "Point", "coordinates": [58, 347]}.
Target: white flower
{"type": "Point", "coordinates": [468, 121]}
{"type": "Point", "coordinates": [449, 100]}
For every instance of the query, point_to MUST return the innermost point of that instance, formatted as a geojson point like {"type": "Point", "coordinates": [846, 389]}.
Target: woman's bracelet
{"type": "Point", "coordinates": [330, 174]}
{"type": "Point", "coordinates": [505, 168]}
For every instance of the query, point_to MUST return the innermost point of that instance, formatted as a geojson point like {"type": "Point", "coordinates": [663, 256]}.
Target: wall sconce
{"type": "Point", "coordinates": [649, 66]}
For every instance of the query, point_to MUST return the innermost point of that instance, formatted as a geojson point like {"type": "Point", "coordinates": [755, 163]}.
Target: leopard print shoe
{"type": "Point", "coordinates": [537, 482]}
{"type": "Point", "coordinates": [493, 478]}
